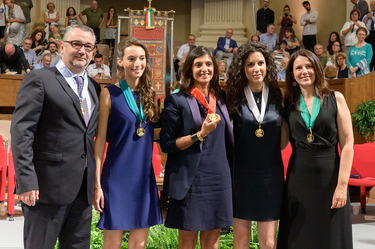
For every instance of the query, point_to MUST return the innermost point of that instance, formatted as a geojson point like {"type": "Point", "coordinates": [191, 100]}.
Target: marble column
{"type": "Point", "coordinates": [219, 15]}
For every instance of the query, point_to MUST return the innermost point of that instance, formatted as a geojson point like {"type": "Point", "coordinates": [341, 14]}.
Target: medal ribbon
{"type": "Point", "coordinates": [211, 106]}
{"type": "Point", "coordinates": [309, 120]}
{"type": "Point", "coordinates": [253, 106]}
{"type": "Point", "coordinates": [140, 115]}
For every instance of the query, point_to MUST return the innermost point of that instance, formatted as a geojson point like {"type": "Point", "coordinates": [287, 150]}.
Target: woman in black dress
{"type": "Point", "coordinates": [197, 135]}
{"type": "Point", "coordinates": [316, 209]}
{"type": "Point", "coordinates": [255, 103]}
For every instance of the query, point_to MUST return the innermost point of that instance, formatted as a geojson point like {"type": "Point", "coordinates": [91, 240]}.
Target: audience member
{"type": "Point", "coordinates": [2, 20]}
{"type": "Point", "coordinates": [95, 18]}
{"type": "Point", "coordinates": [349, 30]}
{"type": "Point", "coordinates": [99, 70]}
{"type": "Point", "coordinates": [15, 31]}
{"type": "Point", "coordinates": [359, 55]}
{"type": "Point", "coordinates": [50, 17]}
{"type": "Point", "coordinates": [342, 71]}
{"type": "Point", "coordinates": [291, 41]}
{"type": "Point", "coordinates": [226, 46]}
{"type": "Point", "coordinates": [336, 48]}
{"type": "Point", "coordinates": [30, 54]}
{"type": "Point", "coordinates": [183, 52]}
{"type": "Point", "coordinates": [12, 59]}
{"type": "Point", "coordinates": [222, 70]}
{"type": "Point", "coordinates": [39, 44]}
{"type": "Point", "coordinates": [319, 52]}
{"type": "Point", "coordinates": [286, 21]}
{"type": "Point", "coordinates": [308, 21]}
{"type": "Point", "coordinates": [111, 27]}
{"type": "Point", "coordinates": [26, 6]}
{"type": "Point", "coordinates": [279, 54]}
{"type": "Point", "coordinates": [270, 38]}
{"type": "Point", "coordinates": [281, 75]}
{"type": "Point", "coordinates": [182, 61]}
{"type": "Point", "coordinates": [369, 20]}
{"type": "Point", "coordinates": [362, 6]}
{"type": "Point", "coordinates": [94, 52]}
{"type": "Point", "coordinates": [54, 35]}
{"type": "Point", "coordinates": [71, 17]}
{"type": "Point", "coordinates": [46, 62]}
{"type": "Point", "coordinates": [255, 38]}
{"type": "Point", "coordinates": [52, 47]}
{"type": "Point", "coordinates": [265, 16]}
{"type": "Point", "coordinates": [333, 37]}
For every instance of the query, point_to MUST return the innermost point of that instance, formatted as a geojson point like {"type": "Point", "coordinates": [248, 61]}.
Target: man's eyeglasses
{"type": "Point", "coordinates": [78, 45]}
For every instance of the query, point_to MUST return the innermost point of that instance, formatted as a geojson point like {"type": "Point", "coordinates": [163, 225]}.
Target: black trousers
{"type": "Point", "coordinates": [71, 223]}
{"type": "Point", "coordinates": [371, 40]}
{"type": "Point", "coordinates": [309, 42]}
{"type": "Point", "coordinates": [97, 34]}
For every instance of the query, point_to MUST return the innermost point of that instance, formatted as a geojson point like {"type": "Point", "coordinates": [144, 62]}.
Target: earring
{"type": "Point", "coordinates": [294, 83]}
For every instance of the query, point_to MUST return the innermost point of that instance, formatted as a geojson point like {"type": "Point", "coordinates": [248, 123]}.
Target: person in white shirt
{"type": "Point", "coordinates": [349, 30]}
{"type": "Point", "coordinates": [98, 70]}
{"type": "Point", "coordinates": [183, 51]}
{"type": "Point", "coordinates": [308, 21]}
{"type": "Point", "coordinates": [46, 62]}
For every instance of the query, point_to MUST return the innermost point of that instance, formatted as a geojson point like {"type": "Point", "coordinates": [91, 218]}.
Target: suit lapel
{"type": "Point", "coordinates": [224, 111]}
{"type": "Point", "coordinates": [195, 113]}
{"type": "Point", "coordinates": [95, 99]}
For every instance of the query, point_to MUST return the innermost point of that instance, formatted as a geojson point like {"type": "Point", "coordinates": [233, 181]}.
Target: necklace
{"type": "Point", "coordinates": [257, 98]}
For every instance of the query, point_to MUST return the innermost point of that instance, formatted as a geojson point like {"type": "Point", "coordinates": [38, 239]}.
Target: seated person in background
{"type": "Point", "coordinates": [281, 74]}
{"type": "Point", "coordinates": [342, 71]}
{"type": "Point", "coordinates": [180, 64]}
{"type": "Point", "coordinates": [12, 59]}
{"type": "Point", "coordinates": [183, 52]}
{"type": "Point", "coordinates": [98, 70]}
{"type": "Point", "coordinates": [52, 47]}
{"type": "Point", "coordinates": [291, 41]}
{"type": "Point", "coordinates": [94, 52]}
{"type": "Point", "coordinates": [270, 38]}
{"type": "Point", "coordinates": [222, 70]}
{"type": "Point", "coordinates": [280, 54]}
{"type": "Point", "coordinates": [255, 38]}
{"type": "Point", "coordinates": [39, 43]}
{"type": "Point", "coordinates": [30, 54]}
{"type": "Point", "coordinates": [54, 35]}
{"type": "Point", "coordinates": [319, 51]}
{"type": "Point", "coordinates": [226, 46]}
{"type": "Point", "coordinates": [46, 62]}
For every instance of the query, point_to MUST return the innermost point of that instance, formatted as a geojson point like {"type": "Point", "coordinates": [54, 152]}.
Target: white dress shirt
{"type": "Point", "coordinates": [351, 37]}
{"type": "Point", "coordinates": [92, 70]}
{"type": "Point", "coordinates": [183, 49]}
{"type": "Point", "coordinates": [309, 29]}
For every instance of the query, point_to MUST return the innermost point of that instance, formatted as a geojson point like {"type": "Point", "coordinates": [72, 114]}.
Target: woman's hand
{"type": "Point", "coordinates": [99, 200]}
{"type": "Point", "coordinates": [208, 126]}
{"type": "Point", "coordinates": [339, 197]}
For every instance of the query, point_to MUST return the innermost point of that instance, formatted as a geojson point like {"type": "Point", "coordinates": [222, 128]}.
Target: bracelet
{"type": "Point", "coordinates": [200, 136]}
{"type": "Point", "coordinates": [97, 188]}
{"type": "Point", "coordinates": [194, 137]}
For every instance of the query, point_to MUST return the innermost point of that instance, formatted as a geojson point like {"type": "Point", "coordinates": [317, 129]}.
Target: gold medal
{"type": "Point", "coordinates": [83, 110]}
{"type": "Point", "coordinates": [259, 132]}
{"type": "Point", "coordinates": [140, 131]}
{"type": "Point", "coordinates": [310, 137]}
{"type": "Point", "coordinates": [212, 117]}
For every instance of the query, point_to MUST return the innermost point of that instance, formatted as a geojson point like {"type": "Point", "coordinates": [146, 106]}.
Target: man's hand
{"type": "Point", "coordinates": [307, 21]}
{"type": "Point", "coordinates": [369, 15]}
{"type": "Point", "coordinates": [30, 197]}
{"type": "Point", "coordinates": [229, 50]}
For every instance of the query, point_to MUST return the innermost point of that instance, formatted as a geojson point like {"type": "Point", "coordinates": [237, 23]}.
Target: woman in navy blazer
{"type": "Point", "coordinates": [200, 154]}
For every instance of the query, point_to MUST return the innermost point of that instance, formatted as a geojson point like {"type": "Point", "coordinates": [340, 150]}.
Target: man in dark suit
{"type": "Point", "coordinates": [226, 46]}
{"type": "Point", "coordinates": [362, 6]}
{"type": "Point", "coordinates": [53, 129]}
{"type": "Point", "coordinates": [12, 58]}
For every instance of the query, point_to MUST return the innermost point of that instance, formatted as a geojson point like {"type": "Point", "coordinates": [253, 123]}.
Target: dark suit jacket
{"type": "Point", "coordinates": [221, 44]}
{"type": "Point", "coordinates": [50, 140]}
{"type": "Point", "coordinates": [363, 8]}
{"type": "Point", "coordinates": [181, 117]}
{"type": "Point", "coordinates": [14, 62]}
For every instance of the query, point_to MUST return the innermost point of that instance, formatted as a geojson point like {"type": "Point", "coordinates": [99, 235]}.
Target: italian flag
{"type": "Point", "coordinates": [149, 17]}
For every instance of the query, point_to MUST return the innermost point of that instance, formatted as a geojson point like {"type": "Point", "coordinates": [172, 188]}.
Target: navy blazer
{"type": "Point", "coordinates": [221, 44]}
{"type": "Point", "coordinates": [181, 117]}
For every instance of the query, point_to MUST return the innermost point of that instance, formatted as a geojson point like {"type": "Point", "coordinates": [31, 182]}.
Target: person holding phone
{"type": "Point", "coordinates": [285, 21]}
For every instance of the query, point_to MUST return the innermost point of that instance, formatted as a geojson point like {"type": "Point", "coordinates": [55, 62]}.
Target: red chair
{"type": "Point", "coordinates": [11, 185]}
{"type": "Point", "coordinates": [364, 167]}
{"type": "Point", "coordinates": [286, 153]}
{"type": "Point", "coordinates": [3, 169]}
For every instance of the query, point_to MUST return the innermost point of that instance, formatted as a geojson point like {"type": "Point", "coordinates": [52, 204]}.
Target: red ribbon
{"type": "Point", "coordinates": [211, 106]}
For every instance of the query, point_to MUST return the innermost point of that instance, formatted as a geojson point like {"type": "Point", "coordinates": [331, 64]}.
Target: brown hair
{"type": "Point", "coordinates": [291, 30]}
{"type": "Point", "coordinates": [33, 36]}
{"type": "Point", "coordinates": [115, 18]}
{"type": "Point", "coordinates": [320, 85]}
{"type": "Point", "coordinates": [355, 10]}
{"type": "Point", "coordinates": [361, 29]}
{"type": "Point", "coordinates": [144, 87]}
{"type": "Point", "coordinates": [187, 71]}
{"type": "Point", "coordinates": [49, 4]}
{"type": "Point", "coordinates": [341, 54]}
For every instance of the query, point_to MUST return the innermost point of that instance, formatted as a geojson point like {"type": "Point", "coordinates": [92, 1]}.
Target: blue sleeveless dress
{"type": "Point", "coordinates": [131, 200]}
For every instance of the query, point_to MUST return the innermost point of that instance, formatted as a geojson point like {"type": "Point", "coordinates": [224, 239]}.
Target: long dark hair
{"type": "Point", "coordinates": [320, 85]}
{"type": "Point", "coordinates": [74, 12]}
{"type": "Point", "coordinates": [330, 43]}
{"type": "Point", "coordinates": [145, 82]}
{"type": "Point", "coordinates": [115, 18]}
{"type": "Point", "coordinates": [187, 71]}
{"type": "Point", "coordinates": [237, 79]}
{"type": "Point", "coordinates": [33, 36]}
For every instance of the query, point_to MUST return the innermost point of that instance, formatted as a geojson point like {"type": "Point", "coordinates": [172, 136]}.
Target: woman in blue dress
{"type": "Point", "coordinates": [197, 135]}
{"type": "Point", "coordinates": [125, 189]}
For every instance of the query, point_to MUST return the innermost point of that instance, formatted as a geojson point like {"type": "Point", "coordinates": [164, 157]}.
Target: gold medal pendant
{"type": "Point", "coordinates": [259, 132]}
{"type": "Point", "coordinates": [140, 131]}
{"type": "Point", "coordinates": [310, 137]}
{"type": "Point", "coordinates": [212, 117]}
{"type": "Point", "coordinates": [83, 110]}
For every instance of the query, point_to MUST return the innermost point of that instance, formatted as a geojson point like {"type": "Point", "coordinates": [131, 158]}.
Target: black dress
{"type": "Point", "coordinates": [307, 220]}
{"type": "Point", "coordinates": [258, 170]}
{"type": "Point", "coordinates": [343, 73]}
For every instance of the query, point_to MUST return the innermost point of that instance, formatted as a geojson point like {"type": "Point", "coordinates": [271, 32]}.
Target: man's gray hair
{"type": "Point", "coordinates": [318, 44]}
{"type": "Point", "coordinates": [46, 54]}
{"type": "Point", "coordinates": [84, 28]}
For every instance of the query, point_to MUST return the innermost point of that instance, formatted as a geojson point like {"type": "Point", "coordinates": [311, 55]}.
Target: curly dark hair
{"type": "Point", "coordinates": [187, 71]}
{"type": "Point", "coordinates": [74, 12]}
{"type": "Point", "coordinates": [33, 38]}
{"type": "Point", "coordinates": [145, 82]}
{"type": "Point", "coordinates": [237, 79]}
{"type": "Point", "coordinates": [320, 85]}
{"type": "Point", "coordinates": [330, 43]}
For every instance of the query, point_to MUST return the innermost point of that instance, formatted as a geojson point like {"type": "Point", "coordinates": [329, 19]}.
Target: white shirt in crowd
{"type": "Point", "coordinates": [351, 36]}
{"type": "Point", "coordinates": [92, 70]}
{"type": "Point", "coordinates": [183, 49]}
{"type": "Point", "coordinates": [309, 29]}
